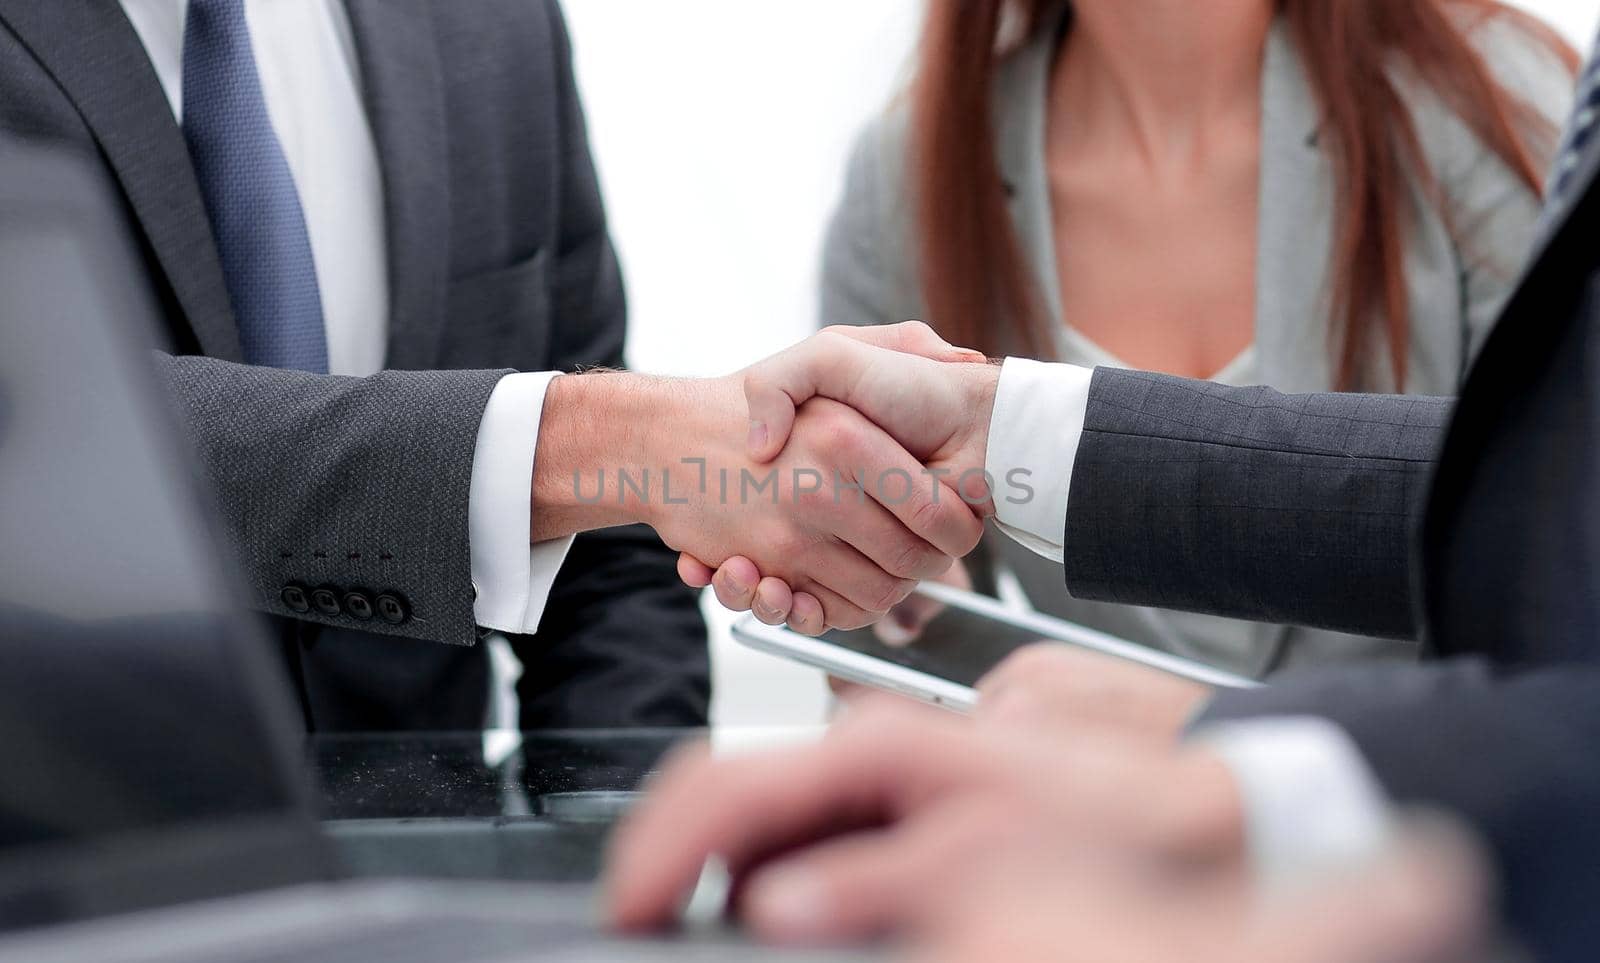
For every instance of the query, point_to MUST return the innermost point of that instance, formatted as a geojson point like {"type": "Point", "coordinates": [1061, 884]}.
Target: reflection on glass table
{"type": "Point", "coordinates": [492, 805]}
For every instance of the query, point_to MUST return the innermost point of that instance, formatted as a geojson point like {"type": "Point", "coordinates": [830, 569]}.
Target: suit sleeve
{"type": "Point", "coordinates": [622, 641]}
{"type": "Point", "coordinates": [351, 483]}
{"type": "Point", "coordinates": [1510, 753]}
{"type": "Point", "coordinates": [1249, 503]}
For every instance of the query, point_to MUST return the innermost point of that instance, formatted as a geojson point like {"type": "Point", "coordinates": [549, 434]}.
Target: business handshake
{"type": "Point", "coordinates": [816, 487]}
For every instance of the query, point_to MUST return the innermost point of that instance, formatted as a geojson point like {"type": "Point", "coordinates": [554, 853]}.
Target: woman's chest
{"type": "Point", "coordinates": [1163, 278]}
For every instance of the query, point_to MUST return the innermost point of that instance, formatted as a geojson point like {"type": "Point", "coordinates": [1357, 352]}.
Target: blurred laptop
{"type": "Point", "coordinates": [153, 798]}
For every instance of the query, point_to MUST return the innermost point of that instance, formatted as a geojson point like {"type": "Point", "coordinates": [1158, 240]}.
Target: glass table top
{"type": "Point", "coordinates": [497, 804]}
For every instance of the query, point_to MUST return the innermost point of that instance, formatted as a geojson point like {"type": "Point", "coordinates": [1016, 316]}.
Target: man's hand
{"type": "Point", "coordinates": [845, 515]}
{"type": "Point", "coordinates": [1054, 687]}
{"type": "Point", "coordinates": [1424, 901]}
{"type": "Point", "coordinates": [933, 398]}
{"type": "Point", "coordinates": [863, 832]}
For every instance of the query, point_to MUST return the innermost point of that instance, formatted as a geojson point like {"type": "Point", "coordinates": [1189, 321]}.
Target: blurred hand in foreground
{"type": "Point", "coordinates": [861, 834]}
{"type": "Point", "coordinates": [1052, 687]}
{"type": "Point", "coordinates": [1423, 901]}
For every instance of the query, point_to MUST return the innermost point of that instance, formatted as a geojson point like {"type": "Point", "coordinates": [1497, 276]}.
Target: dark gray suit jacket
{"type": "Point", "coordinates": [499, 259]}
{"type": "Point", "coordinates": [1476, 530]}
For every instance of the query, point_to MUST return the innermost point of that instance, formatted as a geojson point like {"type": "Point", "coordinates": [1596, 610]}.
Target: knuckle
{"type": "Point", "coordinates": [911, 560]}
{"type": "Point", "coordinates": [935, 518]}
{"type": "Point", "coordinates": [891, 593]}
{"type": "Point", "coordinates": [845, 616]}
{"type": "Point", "coordinates": [837, 435]}
{"type": "Point", "coordinates": [810, 501]}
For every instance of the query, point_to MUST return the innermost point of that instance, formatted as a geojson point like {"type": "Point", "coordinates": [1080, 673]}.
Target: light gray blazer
{"type": "Point", "coordinates": [1460, 267]}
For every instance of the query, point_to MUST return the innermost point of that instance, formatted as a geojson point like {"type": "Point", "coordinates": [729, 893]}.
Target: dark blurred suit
{"type": "Point", "coordinates": [1474, 527]}
{"type": "Point", "coordinates": [498, 258]}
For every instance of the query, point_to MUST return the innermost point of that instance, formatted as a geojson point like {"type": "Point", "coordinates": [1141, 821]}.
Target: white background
{"type": "Point", "coordinates": [720, 128]}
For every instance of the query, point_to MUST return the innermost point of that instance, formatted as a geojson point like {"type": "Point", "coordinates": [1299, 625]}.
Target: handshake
{"type": "Point", "coordinates": [817, 487]}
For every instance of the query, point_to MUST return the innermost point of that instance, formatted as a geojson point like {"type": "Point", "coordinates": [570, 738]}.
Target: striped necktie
{"type": "Point", "coordinates": [1580, 130]}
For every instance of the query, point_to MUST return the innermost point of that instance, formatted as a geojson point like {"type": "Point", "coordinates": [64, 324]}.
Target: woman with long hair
{"type": "Point", "coordinates": [1310, 194]}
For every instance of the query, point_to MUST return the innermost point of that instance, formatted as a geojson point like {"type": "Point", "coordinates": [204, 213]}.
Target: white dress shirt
{"type": "Point", "coordinates": [1311, 802]}
{"type": "Point", "coordinates": [305, 54]}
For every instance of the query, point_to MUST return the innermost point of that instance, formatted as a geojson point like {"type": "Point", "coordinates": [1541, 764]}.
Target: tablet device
{"type": "Point", "coordinates": [958, 647]}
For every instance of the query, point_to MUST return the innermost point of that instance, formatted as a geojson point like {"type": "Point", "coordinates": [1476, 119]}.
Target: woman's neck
{"type": "Point", "coordinates": [1159, 76]}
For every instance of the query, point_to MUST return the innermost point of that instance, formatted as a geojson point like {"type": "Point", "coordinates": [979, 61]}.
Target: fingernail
{"type": "Point", "coordinates": [790, 903]}
{"type": "Point", "coordinates": [758, 435]}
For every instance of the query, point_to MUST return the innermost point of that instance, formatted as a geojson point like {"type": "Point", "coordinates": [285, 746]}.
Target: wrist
{"type": "Point", "coordinates": [618, 448]}
{"type": "Point", "coordinates": [966, 450]}
{"type": "Point", "coordinates": [591, 434]}
{"type": "Point", "coordinates": [981, 384]}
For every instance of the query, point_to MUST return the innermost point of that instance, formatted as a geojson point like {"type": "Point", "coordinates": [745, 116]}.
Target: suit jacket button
{"type": "Point", "coordinates": [294, 596]}
{"type": "Point", "coordinates": [325, 600]}
{"type": "Point", "coordinates": [392, 609]}
{"type": "Point", "coordinates": [358, 606]}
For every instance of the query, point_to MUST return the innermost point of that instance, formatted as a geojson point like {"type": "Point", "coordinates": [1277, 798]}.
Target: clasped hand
{"type": "Point", "coordinates": [927, 401]}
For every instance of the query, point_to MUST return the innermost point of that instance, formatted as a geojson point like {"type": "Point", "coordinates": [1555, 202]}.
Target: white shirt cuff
{"type": "Point", "coordinates": [512, 579]}
{"type": "Point", "coordinates": [1312, 806]}
{"type": "Point", "coordinates": [1034, 432]}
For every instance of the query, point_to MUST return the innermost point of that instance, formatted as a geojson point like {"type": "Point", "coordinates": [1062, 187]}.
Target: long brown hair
{"type": "Point", "coordinates": [978, 288]}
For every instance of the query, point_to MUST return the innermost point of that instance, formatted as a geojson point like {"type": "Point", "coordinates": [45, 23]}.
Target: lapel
{"type": "Point", "coordinates": [1021, 111]}
{"type": "Point", "coordinates": [95, 56]}
{"type": "Point", "coordinates": [1294, 228]}
{"type": "Point", "coordinates": [404, 90]}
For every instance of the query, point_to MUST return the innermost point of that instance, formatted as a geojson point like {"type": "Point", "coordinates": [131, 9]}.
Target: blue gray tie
{"type": "Point", "coordinates": [249, 193]}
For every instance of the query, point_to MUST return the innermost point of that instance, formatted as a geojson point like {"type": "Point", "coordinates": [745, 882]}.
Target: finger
{"type": "Point", "coordinates": [735, 583]}
{"type": "Point", "coordinates": [838, 612]}
{"type": "Point", "coordinates": [925, 505]}
{"type": "Point", "coordinates": [905, 622]}
{"type": "Point", "coordinates": [806, 616]}
{"type": "Point", "coordinates": [829, 364]}
{"type": "Point", "coordinates": [909, 337]}
{"type": "Point", "coordinates": [1048, 660]}
{"type": "Point", "coordinates": [739, 808]}
{"type": "Point", "coordinates": [857, 580]}
{"type": "Point", "coordinates": [774, 389]}
{"type": "Point", "coordinates": [868, 883]}
{"type": "Point", "coordinates": [774, 601]}
{"type": "Point", "coordinates": [694, 573]}
{"type": "Point", "coordinates": [873, 530]}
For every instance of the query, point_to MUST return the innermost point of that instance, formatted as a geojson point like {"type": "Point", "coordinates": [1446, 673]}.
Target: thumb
{"type": "Point", "coordinates": [826, 364]}
{"type": "Point", "coordinates": [830, 364]}
{"type": "Point", "coordinates": [908, 337]}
